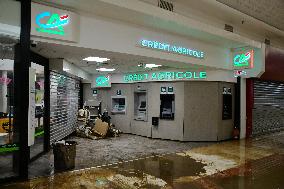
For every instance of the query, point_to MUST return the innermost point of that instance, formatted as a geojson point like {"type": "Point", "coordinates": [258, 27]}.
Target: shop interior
{"type": "Point", "coordinates": [9, 135]}
{"type": "Point", "coordinates": [6, 126]}
{"type": "Point", "coordinates": [161, 115]}
{"type": "Point", "coordinates": [138, 118]}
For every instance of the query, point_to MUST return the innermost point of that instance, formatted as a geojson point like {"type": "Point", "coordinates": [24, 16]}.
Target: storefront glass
{"type": "Point", "coordinates": [9, 135]}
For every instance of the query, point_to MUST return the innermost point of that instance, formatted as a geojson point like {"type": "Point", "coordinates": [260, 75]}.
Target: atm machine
{"type": "Point", "coordinates": [140, 105]}
{"type": "Point", "coordinates": [167, 106]}
{"type": "Point", "coordinates": [118, 104]}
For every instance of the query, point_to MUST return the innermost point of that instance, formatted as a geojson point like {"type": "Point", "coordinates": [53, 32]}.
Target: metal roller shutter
{"type": "Point", "coordinates": [64, 95]}
{"type": "Point", "coordinates": [268, 111]}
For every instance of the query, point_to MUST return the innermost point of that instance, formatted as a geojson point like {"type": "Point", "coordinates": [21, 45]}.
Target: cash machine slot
{"type": "Point", "coordinates": [140, 105]}
{"type": "Point", "coordinates": [167, 107]}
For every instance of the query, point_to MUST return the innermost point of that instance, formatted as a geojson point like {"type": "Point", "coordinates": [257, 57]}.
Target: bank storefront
{"type": "Point", "coordinates": [153, 83]}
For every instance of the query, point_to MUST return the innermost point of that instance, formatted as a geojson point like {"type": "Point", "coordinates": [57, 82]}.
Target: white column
{"type": "Point", "coordinates": [243, 109]}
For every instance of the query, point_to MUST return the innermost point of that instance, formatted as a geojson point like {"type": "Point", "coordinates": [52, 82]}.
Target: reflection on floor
{"type": "Point", "coordinates": [37, 147]}
{"type": "Point", "coordinates": [6, 159]}
{"type": "Point", "coordinates": [91, 153]}
{"type": "Point", "coordinates": [245, 164]}
{"type": "Point", "coordinates": [6, 165]}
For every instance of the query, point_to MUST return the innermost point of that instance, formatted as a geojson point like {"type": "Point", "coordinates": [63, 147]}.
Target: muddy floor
{"type": "Point", "coordinates": [92, 153]}
{"type": "Point", "coordinates": [246, 164]}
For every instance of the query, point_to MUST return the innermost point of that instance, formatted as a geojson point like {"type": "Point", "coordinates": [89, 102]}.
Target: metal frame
{"type": "Point", "coordinates": [21, 101]}
{"type": "Point", "coordinates": [237, 120]}
{"type": "Point", "coordinates": [38, 59]}
{"type": "Point", "coordinates": [21, 78]}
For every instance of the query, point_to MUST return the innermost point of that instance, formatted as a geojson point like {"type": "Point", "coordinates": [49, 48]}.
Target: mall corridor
{"type": "Point", "coordinates": [252, 163]}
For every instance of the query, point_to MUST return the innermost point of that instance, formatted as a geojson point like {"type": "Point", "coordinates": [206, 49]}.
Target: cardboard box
{"type": "Point", "coordinates": [100, 128]}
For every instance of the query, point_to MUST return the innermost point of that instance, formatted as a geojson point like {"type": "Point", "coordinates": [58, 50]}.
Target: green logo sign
{"type": "Point", "coordinates": [243, 60]}
{"type": "Point", "coordinates": [103, 81]}
{"type": "Point", "coordinates": [54, 24]}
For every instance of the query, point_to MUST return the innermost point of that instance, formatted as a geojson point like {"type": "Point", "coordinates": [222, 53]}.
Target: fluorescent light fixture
{"type": "Point", "coordinates": [105, 69]}
{"type": "Point", "coordinates": [96, 59]}
{"type": "Point", "coordinates": [152, 65]}
{"type": "Point", "coordinates": [66, 69]}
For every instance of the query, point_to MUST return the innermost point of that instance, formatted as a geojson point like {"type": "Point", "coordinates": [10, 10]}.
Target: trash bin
{"type": "Point", "coordinates": [64, 155]}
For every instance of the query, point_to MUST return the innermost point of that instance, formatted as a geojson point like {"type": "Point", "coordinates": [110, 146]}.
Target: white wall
{"type": "Point", "coordinates": [243, 115]}
{"type": "Point", "coordinates": [75, 70]}
{"type": "Point", "coordinates": [111, 35]}
{"type": "Point", "coordinates": [117, 36]}
{"type": "Point", "coordinates": [61, 65]}
{"type": "Point", "coordinates": [10, 17]}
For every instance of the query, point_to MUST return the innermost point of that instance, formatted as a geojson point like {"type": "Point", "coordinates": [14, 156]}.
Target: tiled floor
{"type": "Point", "coordinates": [247, 164]}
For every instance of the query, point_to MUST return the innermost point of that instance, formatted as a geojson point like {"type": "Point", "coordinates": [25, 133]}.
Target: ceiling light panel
{"type": "Point", "coordinates": [105, 69]}
{"type": "Point", "coordinates": [152, 65]}
{"type": "Point", "coordinates": [96, 59]}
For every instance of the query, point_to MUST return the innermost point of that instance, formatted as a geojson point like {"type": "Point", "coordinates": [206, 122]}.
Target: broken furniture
{"type": "Point", "coordinates": [94, 108]}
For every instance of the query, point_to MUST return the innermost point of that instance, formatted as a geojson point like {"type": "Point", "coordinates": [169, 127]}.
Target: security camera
{"type": "Point", "coordinates": [34, 44]}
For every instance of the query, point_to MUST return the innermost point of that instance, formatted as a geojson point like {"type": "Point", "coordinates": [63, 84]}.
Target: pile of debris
{"type": "Point", "coordinates": [101, 127]}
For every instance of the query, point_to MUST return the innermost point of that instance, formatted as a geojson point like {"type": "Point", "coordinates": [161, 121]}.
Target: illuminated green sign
{"type": "Point", "coordinates": [103, 81]}
{"type": "Point", "coordinates": [171, 48]}
{"type": "Point", "coordinates": [160, 76]}
{"type": "Point", "coordinates": [54, 24]}
{"type": "Point", "coordinates": [244, 59]}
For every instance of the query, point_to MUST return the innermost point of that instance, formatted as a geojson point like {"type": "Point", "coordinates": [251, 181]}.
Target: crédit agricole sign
{"type": "Point", "coordinates": [51, 23]}
{"type": "Point", "coordinates": [164, 76]}
{"type": "Point", "coordinates": [166, 47]}
{"type": "Point", "coordinates": [54, 23]}
{"type": "Point", "coordinates": [243, 59]}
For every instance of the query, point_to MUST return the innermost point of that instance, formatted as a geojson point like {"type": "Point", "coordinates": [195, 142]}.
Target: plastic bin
{"type": "Point", "coordinates": [64, 155]}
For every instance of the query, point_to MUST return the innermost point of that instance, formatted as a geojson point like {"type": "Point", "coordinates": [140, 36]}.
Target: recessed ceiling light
{"type": "Point", "coordinates": [96, 59]}
{"type": "Point", "coordinates": [105, 69]}
{"type": "Point", "coordinates": [152, 65]}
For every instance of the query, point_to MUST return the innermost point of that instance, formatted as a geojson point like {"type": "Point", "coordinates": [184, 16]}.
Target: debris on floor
{"type": "Point", "coordinates": [135, 182]}
{"type": "Point", "coordinates": [84, 132]}
{"type": "Point", "coordinates": [101, 127]}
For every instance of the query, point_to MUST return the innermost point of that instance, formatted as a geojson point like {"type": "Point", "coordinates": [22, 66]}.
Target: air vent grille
{"type": "Point", "coordinates": [166, 5]}
{"type": "Point", "coordinates": [229, 28]}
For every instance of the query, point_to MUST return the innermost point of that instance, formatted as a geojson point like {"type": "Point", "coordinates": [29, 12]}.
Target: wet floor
{"type": "Point", "coordinates": [246, 164]}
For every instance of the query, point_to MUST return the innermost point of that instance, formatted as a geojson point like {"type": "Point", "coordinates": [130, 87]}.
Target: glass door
{"type": "Point", "coordinates": [38, 147]}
